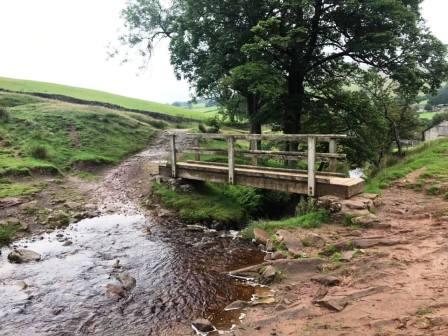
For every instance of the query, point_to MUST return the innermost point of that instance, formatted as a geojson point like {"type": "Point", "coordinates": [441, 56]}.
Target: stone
{"type": "Point", "coordinates": [326, 280]}
{"type": "Point", "coordinates": [367, 221]}
{"type": "Point", "coordinates": [278, 255]}
{"type": "Point", "coordinates": [203, 325]}
{"type": "Point", "coordinates": [261, 236]}
{"type": "Point", "coordinates": [67, 243]}
{"type": "Point", "coordinates": [293, 244]}
{"type": "Point", "coordinates": [236, 305]}
{"type": "Point", "coordinates": [356, 204]}
{"type": "Point", "coordinates": [59, 219]}
{"type": "Point", "coordinates": [20, 256]}
{"type": "Point", "coordinates": [268, 275]}
{"type": "Point", "coordinates": [22, 285]}
{"type": "Point", "coordinates": [72, 205]}
{"type": "Point", "coordinates": [331, 203]}
{"type": "Point", "coordinates": [347, 256]}
{"type": "Point", "coordinates": [10, 202]}
{"type": "Point", "coordinates": [270, 246]}
{"type": "Point", "coordinates": [115, 291]}
{"type": "Point", "coordinates": [313, 240]}
{"type": "Point", "coordinates": [127, 281]}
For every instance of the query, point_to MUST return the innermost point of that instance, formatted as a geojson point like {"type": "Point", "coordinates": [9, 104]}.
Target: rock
{"type": "Point", "coordinates": [10, 202]}
{"type": "Point", "coordinates": [115, 291]}
{"type": "Point", "coordinates": [278, 255]}
{"type": "Point", "coordinates": [367, 221]}
{"type": "Point", "coordinates": [22, 285]}
{"type": "Point", "coordinates": [67, 243]}
{"type": "Point", "coordinates": [59, 219]}
{"type": "Point", "coordinates": [236, 305]}
{"type": "Point", "coordinates": [264, 300]}
{"type": "Point", "coordinates": [339, 303]}
{"type": "Point", "coordinates": [195, 228]}
{"type": "Point", "coordinates": [347, 256]}
{"type": "Point", "coordinates": [261, 236]}
{"type": "Point", "coordinates": [313, 240]}
{"type": "Point", "coordinates": [326, 280]}
{"type": "Point", "coordinates": [270, 246]}
{"type": "Point", "coordinates": [116, 264]}
{"type": "Point", "coordinates": [268, 275]}
{"type": "Point", "coordinates": [127, 281]}
{"type": "Point", "coordinates": [356, 204]}
{"type": "Point", "coordinates": [19, 256]}
{"type": "Point", "coordinates": [203, 325]}
{"type": "Point", "coordinates": [186, 188]}
{"type": "Point", "coordinates": [72, 205]}
{"type": "Point", "coordinates": [292, 244]}
{"type": "Point", "coordinates": [330, 203]}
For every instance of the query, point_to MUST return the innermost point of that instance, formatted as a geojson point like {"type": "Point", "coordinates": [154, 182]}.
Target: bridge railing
{"type": "Point", "coordinates": [231, 151]}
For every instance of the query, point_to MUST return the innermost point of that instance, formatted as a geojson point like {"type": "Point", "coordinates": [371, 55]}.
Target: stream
{"type": "Point", "coordinates": [180, 272]}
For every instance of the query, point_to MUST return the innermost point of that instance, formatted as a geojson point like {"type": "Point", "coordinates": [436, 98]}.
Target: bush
{"type": "Point", "coordinates": [4, 115]}
{"type": "Point", "coordinates": [39, 152]}
{"type": "Point", "coordinates": [214, 124]}
{"type": "Point", "coordinates": [7, 233]}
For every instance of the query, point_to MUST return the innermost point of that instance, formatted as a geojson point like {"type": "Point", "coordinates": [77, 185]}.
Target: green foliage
{"type": "Point", "coordinates": [429, 155]}
{"type": "Point", "coordinates": [441, 98]}
{"type": "Point", "coordinates": [7, 233]}
{"type": "Point", "coordinates": [309, 221]}
{"type": "Point", "coordinates": [27, 86]}
{"type": "Point", "coordinates": [51, 136]}
{"type": "Point", "coordinates": [9, 189]}
{"type": "Point", "coordinates": [4, 115]}
{"type": "Point", "coordinates": [208, 203]}
{"type": "Point", "coordinates": [38, 151]}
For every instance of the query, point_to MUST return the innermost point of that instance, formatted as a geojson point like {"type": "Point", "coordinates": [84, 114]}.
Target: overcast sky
{"type": "Point", "coordinates": [65, 41]}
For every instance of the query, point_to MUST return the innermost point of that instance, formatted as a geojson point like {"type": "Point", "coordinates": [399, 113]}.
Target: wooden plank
{"type": "Point", "coordinates": [231, 160]}
{"type": "Point", "coordinates": [273, 137]}
{"type": "Point", "coordinates": [173, 156]}
{"type": "Point", "coordinates": [311, 168]}
{"type": "Point", "coordinates": [333, 162]}
{"type": "Point", "coordinates": [287, 170]}
{"type": "Point", "coordinates": [264, 153]}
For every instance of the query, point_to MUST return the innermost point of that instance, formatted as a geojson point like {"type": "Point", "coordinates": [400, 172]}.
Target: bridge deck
{"type": "Point", "coordinates": [267, 178]}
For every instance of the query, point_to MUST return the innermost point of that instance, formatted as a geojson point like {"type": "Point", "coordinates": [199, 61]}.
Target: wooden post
{"type": "Point", "coordinates": [311, 166]}
{"type": "Point", "coordinates": [231, 159]}
{"type": "Point", "coordinates": [173, 156]}
{"type": "Point", "coordinates": [254, 146]}
{"type": "Point", "coordinates": [333, 162]}
{"type": "Point", "coordinates": [197, 155]}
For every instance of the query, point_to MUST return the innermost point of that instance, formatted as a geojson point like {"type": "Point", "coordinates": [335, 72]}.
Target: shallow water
{"type": "Point", "coordinates": [180, 275]}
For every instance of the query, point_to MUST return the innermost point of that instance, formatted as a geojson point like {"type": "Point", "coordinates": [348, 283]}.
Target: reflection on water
{"type": "Point", "coordinates": [180, 275]}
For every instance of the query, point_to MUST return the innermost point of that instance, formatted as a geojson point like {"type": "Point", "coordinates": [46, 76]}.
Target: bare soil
{"type": "Point", "coordinates": [399, 286]}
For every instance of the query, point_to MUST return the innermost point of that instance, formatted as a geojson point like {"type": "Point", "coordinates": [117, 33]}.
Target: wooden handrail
{"type": "Point", "coordinates": [277, 137]}
{"type": "Point", "coordinates": [310, 154]}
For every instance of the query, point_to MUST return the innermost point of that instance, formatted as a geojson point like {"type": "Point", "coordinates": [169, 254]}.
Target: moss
{"type": "Point", "coordinates": [7, 233]}
{"type": "Point", "coordinates": [307, 221]}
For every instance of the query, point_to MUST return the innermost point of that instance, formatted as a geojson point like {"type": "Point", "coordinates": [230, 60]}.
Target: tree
{"type": "Point", "coordinates": [315, 41]}
{"type": "Point", "coordinates": [205, 38]}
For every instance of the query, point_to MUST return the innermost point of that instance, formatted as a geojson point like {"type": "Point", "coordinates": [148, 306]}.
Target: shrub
{"type": "Point", "coordinates": [4, 115]}
{"type": "Point", "coordinates": [7, 233]}
{"type": "Point", "coordinates": [39, 152]}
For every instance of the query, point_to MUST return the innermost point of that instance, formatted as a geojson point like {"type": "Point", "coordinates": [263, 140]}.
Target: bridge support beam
{"type": "Point", "coordinates": [311, 166]}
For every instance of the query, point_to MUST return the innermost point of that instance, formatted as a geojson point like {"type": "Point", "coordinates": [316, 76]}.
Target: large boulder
{"type": "Point", "coordinates": [293, 244]}
{"type": "Point", "coordinates": [268, 275]}
{"type": "Point", "coordinates": [331, 203]}
{"type": "Point", "coordinates": [20, 256]}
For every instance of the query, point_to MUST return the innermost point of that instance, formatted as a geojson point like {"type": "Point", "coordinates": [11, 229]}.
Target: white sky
{"type": "Point", "coordinates": [65, 41]}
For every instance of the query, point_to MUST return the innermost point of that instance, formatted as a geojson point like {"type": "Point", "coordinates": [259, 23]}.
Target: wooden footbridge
{"type": "Point", "coordinates": [310, 181]}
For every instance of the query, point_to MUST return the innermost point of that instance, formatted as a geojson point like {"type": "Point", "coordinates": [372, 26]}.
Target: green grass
{"type": "Point", "coordinates": [432, 155]}
{"type": "Point", "coordinates": [47, 136]}
{"type": "Point", "coordinates": [103, 97]}
{"type": "Point", "coordinates": [7, 233]}
{"type": "Point", "coordinates": [308, 221]}
{"type": "Point", "coordinates": [206, 204]}
{"type": "Point", "coordinates": [8, 189]}
{"type": "Point", "coordinates": [427, 115]}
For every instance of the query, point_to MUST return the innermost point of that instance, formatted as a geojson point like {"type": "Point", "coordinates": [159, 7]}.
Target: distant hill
{"type": "Point", "coordinates": [27, 86]}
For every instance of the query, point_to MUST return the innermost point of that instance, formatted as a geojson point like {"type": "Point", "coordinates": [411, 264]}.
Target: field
{"type": "Point", "coordinates": [51, 137]}
{"type": "Point", "coordinates": [104, 97]}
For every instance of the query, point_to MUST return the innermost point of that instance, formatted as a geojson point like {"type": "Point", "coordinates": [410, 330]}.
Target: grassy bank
{"type": "Point", "coordinates": [46, 136]}
{"type": "Point", "coordinates": [230, 205]}
{"type": "Point", "coordinates": [430, 156]}
{"type": "Point", "coordinates": [103, 97]}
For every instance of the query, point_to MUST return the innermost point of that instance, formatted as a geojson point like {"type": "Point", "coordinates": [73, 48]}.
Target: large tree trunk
{"type": "Point", "coordinates": [254, 120]}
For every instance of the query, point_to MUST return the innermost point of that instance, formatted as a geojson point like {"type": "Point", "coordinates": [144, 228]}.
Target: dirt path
{"type": "Point", "coordinates": [400, 289]}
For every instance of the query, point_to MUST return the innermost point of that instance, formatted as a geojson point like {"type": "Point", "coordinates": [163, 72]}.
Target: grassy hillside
{"type": "Point", "coordinates": [103, 97]}
{"type": "Point", "coordinates": [40, 135]}
{"type": "Point", "coordinates": [430, 157]}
